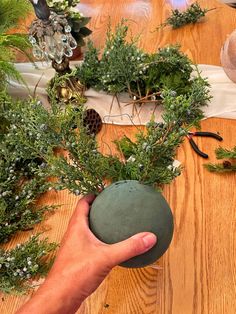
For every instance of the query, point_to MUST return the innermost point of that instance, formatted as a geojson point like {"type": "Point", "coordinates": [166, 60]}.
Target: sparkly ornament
{"type": "Point", "coordinates": [51, 38]}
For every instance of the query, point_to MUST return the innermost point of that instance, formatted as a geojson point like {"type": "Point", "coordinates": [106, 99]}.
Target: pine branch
{"type": "Point", "coordinates": [123, 67]}
{"type": "Point", "coordinates": [222, 153]}
{"type": "Point", "coordinates": [225, 166]}
{"type": "Point", "coordinates": [11, 12]}
{"type": "Point", "coordinates": [221, 167]}
{"type": "Point", "coordinates": [192, 15]}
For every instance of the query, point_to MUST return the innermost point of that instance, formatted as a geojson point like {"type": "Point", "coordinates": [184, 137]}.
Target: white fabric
{"type": "Point", "coordinates": [223, 103]}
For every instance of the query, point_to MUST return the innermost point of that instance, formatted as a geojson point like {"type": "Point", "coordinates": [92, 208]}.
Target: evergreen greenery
{"type": "Point", "coordinates": [125, 68]}
{"type": "Point", "coordinates": [26, 261]}
{"type": "Point", "coordinates": [19, 183]}
{"type": "Point", "coordinates": [226, 165]}
{"type": "Point", "coordinates": [22, 177]}
{"type": "Point", "coordinates": [37, 144]}
{"type": "Point", "coordinates": [221, 167]}
{"type": "Point", "coordinates": [222, 153]}
{"type": "Point", "coordinates": [191, 15]}
{"type": "Point", "coordinates": [11, 12]}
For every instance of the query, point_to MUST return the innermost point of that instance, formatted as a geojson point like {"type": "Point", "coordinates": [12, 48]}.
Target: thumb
{"type": "Point", "coordinates": [133, 246]}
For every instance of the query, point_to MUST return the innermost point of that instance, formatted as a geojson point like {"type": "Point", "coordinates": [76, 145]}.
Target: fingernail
{"type": "Point", "coordinates": [149, 240]}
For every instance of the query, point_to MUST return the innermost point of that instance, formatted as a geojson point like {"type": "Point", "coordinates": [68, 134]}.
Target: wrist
{"type": "Point", "coordinates": [53, 297]}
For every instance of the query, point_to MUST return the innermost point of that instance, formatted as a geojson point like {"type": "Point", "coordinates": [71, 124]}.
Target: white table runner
{"type": "Point", "coordinates": [223, 103]}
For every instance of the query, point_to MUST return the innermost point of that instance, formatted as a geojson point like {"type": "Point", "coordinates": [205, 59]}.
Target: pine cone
{"type": "Point", "coordinates": [227, 164]}
{"type": "Point", "coordinates": [92, 121]}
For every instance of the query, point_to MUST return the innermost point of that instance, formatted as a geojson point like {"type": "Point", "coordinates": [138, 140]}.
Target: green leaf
{"type": "Point", "coordinates": [11, 12]}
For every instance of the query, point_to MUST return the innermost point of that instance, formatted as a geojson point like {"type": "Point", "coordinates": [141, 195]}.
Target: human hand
{"type": "Point", "coordinates": [83, 262]}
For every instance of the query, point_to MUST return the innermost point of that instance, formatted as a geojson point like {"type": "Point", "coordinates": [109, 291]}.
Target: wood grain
{"type": "Point", "coordinates": [197, 275]}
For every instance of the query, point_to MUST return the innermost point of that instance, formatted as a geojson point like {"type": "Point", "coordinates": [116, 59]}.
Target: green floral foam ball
{"type": "Point", "coordinates": [128, 207]}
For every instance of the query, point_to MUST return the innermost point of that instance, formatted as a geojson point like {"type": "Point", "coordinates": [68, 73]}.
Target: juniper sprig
{"type": "Point", "coordinates": [191, 15]}
{"type": "Point", "coordinates": [222, 153]}
{"type": "Point", "coordinates": [225, 166]}
{"type": "Point", "coordinates": [123, 67]}
{"type": "Point", "coordinates": [27, 261]}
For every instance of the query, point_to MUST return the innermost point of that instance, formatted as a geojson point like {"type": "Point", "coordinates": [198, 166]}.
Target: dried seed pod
{"type": "Point", "coordinates": [227, 164]}
{"type": "Point", "coordinates": [92, 121]}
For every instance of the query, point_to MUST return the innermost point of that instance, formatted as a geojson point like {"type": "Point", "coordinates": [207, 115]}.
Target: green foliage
{"type": "Point", "coordinates": [37, 143]}
{"type": "Point", "coordinates": [82, 170]}
{"type": "Point", "coordinates": [192, 15]}
{"type": "Point", "coordinates": [120, 62]}
{"type": "Point", "coordinates": [11, 12]}
{"type": "Point", "coordinates": [150, 158]}
{"type": "Point", "coordinates": [28, 133]}
{"type": "Point", "coordinates": [119, 66]}
{"type": "Point", "coordinates": [88, 72]}
{"type": "Point", "coordinates": [8, 70]}
{"type": "Point", "coordinates": [221, 168]}
{"type": "Point", "coordinates": [226, 165]}
{"type": "Point", "coordinates": [125, 68]}
{"type": "Point", "coordinates": [8, 44]}
{"type": "Point", "coordinates": [22, 169]}
{"type": "Point", "coordinates": [222, 153]}
{"type": "Point", "coordinates": [23, 263]}
{"type": "Point", "coordinates": [169, 68]}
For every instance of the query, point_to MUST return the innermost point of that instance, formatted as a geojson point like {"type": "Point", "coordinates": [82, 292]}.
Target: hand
{"type": "Point", "coordinates": [82, 263]}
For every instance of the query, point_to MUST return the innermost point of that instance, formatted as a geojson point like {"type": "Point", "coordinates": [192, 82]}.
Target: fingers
{"type": "Point", "coordinates": [136, 245]}
{"type": "Point", "coordinates": [82, 209]}
{"type": "Point", "coordinates": [84, 203]}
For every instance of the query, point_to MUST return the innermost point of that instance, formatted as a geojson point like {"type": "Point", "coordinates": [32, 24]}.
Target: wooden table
{"type": "Point", "coordinates": [198, 272]}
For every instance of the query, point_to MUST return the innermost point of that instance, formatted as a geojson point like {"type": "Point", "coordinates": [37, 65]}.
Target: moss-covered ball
{"type": "Point", "coordinates": [127, 207]}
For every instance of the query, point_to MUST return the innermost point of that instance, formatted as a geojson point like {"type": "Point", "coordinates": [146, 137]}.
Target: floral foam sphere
{"type": "Point", "coordinates": [128, 207]}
